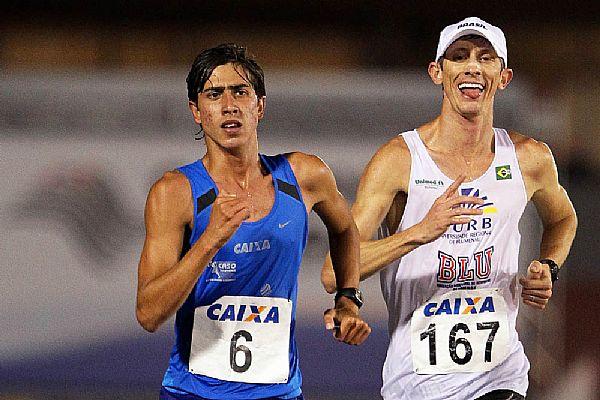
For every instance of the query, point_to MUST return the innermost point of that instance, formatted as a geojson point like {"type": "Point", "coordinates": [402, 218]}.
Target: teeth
{"type": "Point", "coordinates": [470, 86]}
{"type": "Point", "coordinates": [231, 125]}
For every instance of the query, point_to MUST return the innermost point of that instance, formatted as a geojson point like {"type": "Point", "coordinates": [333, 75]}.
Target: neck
{"type": "Point", "coordinates": [453, 131]}
{"type": "Point", "coordinates": [237, 164]}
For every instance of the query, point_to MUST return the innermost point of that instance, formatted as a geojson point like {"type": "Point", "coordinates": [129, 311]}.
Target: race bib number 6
{"type": "Point", "coordinates": [460, 331]}
{"type": "Point", "coordinates": [242, 339]}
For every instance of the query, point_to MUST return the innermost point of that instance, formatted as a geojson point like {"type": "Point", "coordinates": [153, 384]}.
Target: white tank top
{"type": "Point", "coordinates": [468, 261]}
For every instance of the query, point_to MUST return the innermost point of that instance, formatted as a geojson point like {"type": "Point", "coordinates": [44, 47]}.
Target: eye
{"type": "Point", "coordinates": [241, 92]}
{"type": "Point", "coordinates": [487, 57]}
{"type": "Point", "coordinates": [458, 56]}
{"type": "Point", "coordinates": [213, 94]}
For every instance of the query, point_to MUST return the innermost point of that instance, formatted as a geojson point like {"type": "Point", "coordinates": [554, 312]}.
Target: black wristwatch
{"type": "Point", "coordinates": [352, 293]}
{"type": "Point", "coordinates": [553, 268]}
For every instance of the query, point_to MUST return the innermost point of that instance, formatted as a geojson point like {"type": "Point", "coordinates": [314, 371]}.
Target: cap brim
{"type": "Point", "coordinates": [465, 32]}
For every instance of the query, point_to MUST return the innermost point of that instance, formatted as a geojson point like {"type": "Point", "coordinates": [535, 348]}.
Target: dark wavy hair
{"type": "Point", "coordinates": [209, 59]}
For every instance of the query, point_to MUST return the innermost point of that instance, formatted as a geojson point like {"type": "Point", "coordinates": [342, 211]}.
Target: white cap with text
{"type": "Point", "coordinates": [473, 26]}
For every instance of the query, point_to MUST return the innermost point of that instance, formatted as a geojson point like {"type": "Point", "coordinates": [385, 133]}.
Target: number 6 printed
{"type": "Point", "coordinates": [234, 350]}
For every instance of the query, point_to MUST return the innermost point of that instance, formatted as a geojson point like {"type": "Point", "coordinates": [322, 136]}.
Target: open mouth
{"type": "Point", "coordinates": [231, 124]}
{"type": "Point", "coordinates": [471, 90]}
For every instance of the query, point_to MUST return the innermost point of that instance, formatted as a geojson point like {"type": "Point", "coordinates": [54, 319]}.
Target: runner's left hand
{"type": "Point", "coordinates": [346, 324]}
{"type": "Point", "coordinates": [537, 285]}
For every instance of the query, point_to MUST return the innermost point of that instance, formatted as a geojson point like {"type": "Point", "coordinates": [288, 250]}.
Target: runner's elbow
{"type": "Point", "coordinates": [329, 285]}
{"type": "Point", "coordinates": [328, 276]}
{"type": "Point", "coordinates": [146, 321]}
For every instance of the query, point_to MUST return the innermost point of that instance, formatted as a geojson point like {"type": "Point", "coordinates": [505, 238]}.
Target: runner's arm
{"type": "Point", "coordinates": [165, 280]}
{"type": "Point", "coordinates": [320, 193]}
{"type": "Point", "coordinates": [556, 213]}
{"type": "Point", "coordinates": [386, 177]}
{"type": "Point", "coordinates": [553, 206]}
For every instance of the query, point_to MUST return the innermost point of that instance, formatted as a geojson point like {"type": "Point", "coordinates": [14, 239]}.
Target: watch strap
{"type": "Point", "coordinates": [553, 266]}
{"type": "Point", "coordinates": [351, 293]}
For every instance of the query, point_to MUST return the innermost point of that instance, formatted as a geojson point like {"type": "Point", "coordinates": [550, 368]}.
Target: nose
{"type": "Point", "coordinates": [473, 67]}
{"type": "Point", "coordinates": [229, 105]}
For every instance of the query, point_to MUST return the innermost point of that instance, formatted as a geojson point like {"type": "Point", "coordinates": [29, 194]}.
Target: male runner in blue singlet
{"type": "Point", "coordinates": [224, 242]}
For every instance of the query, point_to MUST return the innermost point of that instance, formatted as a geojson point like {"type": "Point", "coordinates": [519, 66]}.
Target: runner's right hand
{"type": "Point", "coordinates": [227, 214]}
{"type": "Point", "coordinates": [448, 209]}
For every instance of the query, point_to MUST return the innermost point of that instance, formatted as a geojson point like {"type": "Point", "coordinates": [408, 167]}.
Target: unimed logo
{"type": "Point", "coordinates": [433, 182]}
{"type": "Point", "coordinates": [243, 312]}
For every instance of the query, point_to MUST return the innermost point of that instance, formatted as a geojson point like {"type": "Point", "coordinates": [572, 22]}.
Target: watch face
{"type": "Point", "coordinates": [358, 298]}
{"type": "Point", "coordinates": [359, 295]}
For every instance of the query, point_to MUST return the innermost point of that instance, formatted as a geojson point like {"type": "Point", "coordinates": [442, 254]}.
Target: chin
{"type": "Point", "coordinates": [235, 141]}
{"type": "Point", "coordinates": [232, 144]}
{"type": "Point", "coordinates": [469, 110]}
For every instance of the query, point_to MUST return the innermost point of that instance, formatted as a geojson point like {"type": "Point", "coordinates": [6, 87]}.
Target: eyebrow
{"type": "Point", "coordinates": [486, 49]}
{"type": "Point", "coordinates": [230, 87]}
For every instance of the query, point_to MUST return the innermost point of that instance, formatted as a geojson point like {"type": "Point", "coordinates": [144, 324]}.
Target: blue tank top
{"type": "Point", "coordinates": [266, 254]}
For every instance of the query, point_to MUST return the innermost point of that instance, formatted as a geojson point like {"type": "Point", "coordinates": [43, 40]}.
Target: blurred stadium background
{"type": "Point", "coordinates": [93, 109]}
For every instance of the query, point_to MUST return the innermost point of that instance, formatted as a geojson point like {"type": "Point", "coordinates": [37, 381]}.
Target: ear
{"type": "Point", "coordinates": [435, 72]}
{"type": "Point", "coordinates": [262, 102]}
{"type": "Point", "coordinates": [195, 111]}
{"type": "Point", "coordinates": [505, 77]}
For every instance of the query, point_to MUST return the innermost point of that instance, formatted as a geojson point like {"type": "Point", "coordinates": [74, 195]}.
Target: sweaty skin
{"type": "Point", "coordinates": [461, 142]}
{"type": "Point", "coordinates": [229, 111]}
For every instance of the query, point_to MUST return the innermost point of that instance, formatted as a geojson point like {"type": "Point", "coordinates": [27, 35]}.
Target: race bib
{"type": "Point", "coordinates": [460, 331]}
{"type": "Point", "coordinates": [242, 339]}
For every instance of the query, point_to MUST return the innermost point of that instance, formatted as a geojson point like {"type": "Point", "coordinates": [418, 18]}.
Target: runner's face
{"type": "Point", "coordinates": [472, 73]}
{"type": "Point", "coordinates": [228, 107]}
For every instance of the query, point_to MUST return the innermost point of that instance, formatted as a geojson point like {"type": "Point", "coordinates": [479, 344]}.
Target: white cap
{"type": "Point", "coordinates": [473, 26]}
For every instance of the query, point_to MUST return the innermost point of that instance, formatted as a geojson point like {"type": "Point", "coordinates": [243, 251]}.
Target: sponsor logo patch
{"type": "Point", "coordinates": [243, 313]}
{"type": "Point", "coordinates": [251, 247]}
{"type": "Point", "coordinates": [222, 271]}
{"type": "Point", "coordinates": [429, 183]}
{"type": "Point", "coordinates": [265, 290]}
{"type": "Point", "coordinates": [283, 225]}
{"type": "Point", "coordinates": [488, 207]}
{"type": "Point", "coordinates": [467, 305]}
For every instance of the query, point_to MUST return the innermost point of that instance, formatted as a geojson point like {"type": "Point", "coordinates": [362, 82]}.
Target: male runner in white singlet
{"type": "Point", "coordinates": [449, 205]}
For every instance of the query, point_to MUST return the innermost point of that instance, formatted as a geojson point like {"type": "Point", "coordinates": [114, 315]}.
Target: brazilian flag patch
{"type": "Point", "coordinates": [503, 172]}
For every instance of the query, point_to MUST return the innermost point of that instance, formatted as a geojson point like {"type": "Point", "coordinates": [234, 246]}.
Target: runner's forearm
{"type": "Point", "coordinates": [377, 254]}
{"type": "Point", "coordinates": [345, 255]}
{"type": "Point", "coordinates": [161, 297]}
{"type": "Point", "coordinates": [557, 239]}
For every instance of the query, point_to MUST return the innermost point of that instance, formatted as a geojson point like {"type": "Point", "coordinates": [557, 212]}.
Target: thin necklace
{"type": "Point", "coordinates": [244, 185]}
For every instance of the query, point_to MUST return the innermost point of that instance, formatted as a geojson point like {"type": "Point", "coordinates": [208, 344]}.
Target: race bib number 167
{"type": "Point", "coordinates": [460, 331]}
